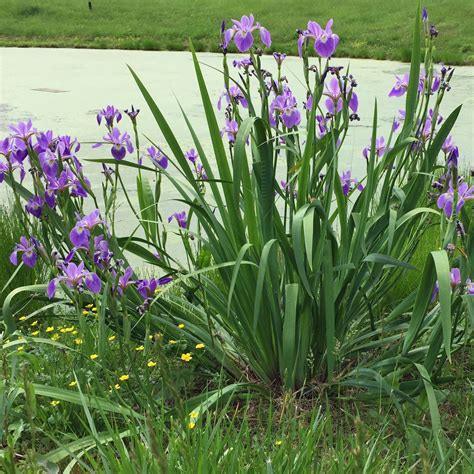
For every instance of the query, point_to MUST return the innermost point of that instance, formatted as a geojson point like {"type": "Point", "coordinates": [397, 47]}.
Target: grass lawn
{"type": "Point", "coordinates": [378, 29]}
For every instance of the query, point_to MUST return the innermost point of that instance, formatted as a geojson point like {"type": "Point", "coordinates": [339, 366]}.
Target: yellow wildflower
{"type": "Point", "coordinates": [151, 364]}
{"type": "Point", "coordinates": [191, 425]}
{"type": "Point", "coordinates": [181, 326]}
{"type": "Point", "coordinates": [34, 323]}
{"type": "Point", "coordinates": [75, 332]}
{"type": "Point", "coordinates": [50, 329]}
{"type": "Point", "coordinates": [140, 348]}
{"type": "Point", "coordinates": [117, 386]}
{"type": "Point", "coordinates": [67, 329]}
{"type": "Point", "coordinates": [55, 337]}
{"type": "Point", "coordinates": [278, 442]}
{"type": "Point", "coordinates": [186, 357]}
{"type": "Point", "coordinates": [89, 306]}
{"type": "Point", "coordinates": [94, 309]}
{"type": "Point", "coordinates": [22, 318]}
{"type": "Point", "coordinates": [172, 341]}
{"type": "Point", "coordinates": [200, 346]}
{"type": "Point", "coordinates": [124, 377]}
{"type": "Point", "coordinates": [35, 333]}
{"type": "Point", "coordinates": [21, 348]}
{"type": "Point", "coordinates": [78, 341]}
{"type": "Point", "coordinates": [73, 383]}
{"type": "Point", "coordinates": [93, 356]}
{"type": "Point", "coordinates": [111, 338]}
{"type": "Point", "coordinates": [157, 291]}
{"type": "Point", "coordinates": [55, 403]}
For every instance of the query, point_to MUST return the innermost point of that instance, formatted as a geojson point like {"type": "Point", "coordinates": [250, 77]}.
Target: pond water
{"type": "Point", "coordinates": [62, 89]}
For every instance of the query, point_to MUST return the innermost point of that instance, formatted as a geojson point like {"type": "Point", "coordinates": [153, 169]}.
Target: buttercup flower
{"type": "Point", "coordinates": [325, 41]}
{"type": "Point", "coordinates": [93, 356]}
{"type": "Point", "coordinates": [27, 249]}
{"type": "Point", "coordinates": [151, 364]}
{"type": "Point", "coordinates": [186, 357]}
{"type": "Point", "coordinates": [200, 346]}
{"type": "Point", "coordinates": [124, 377]}
{"type": "Point", "coordinates": [242, 34]}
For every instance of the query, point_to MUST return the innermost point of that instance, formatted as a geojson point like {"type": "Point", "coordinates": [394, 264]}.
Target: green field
{"type": "Point", "coordinates": [367, 28]}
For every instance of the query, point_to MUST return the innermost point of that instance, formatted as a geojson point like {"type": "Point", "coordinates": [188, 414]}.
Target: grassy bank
{"type": "Point", "coordinates": [367, 29]}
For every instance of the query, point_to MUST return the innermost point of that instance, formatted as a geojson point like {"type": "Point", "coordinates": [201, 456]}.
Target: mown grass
{"type": "Point", "coordinates": [289, 433]}
{"type": "Point", "coordinates": [367, 29]}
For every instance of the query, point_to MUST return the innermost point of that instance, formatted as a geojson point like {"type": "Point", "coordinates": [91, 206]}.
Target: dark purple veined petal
{"type": "Point", "coordinates": [243, 40]}
{"type": "Point", "coordinates": [118, 152]}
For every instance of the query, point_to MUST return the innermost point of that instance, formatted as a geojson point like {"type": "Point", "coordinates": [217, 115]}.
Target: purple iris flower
{"type": "Point", "coordinates": [27, 249]}
{"type": "Point", "coordinates": [125, 281]}
{"type": "Point", "coordinates": [279, 58]}
{"type": "Point", "coordinates": [446, 200]}
{"type": "Point", "coordinates": [23, 131]}
{"type": "Point", "coordinates": [400, 87]}
{"type": "Point", "coordinates": [149, 288]}
{"type": "Point", "coordinates": [334, 101]}
{"type": "Point", "coordinates": [81, 232]}
{"type": "Point", "coordinates": [181, 219]}
{"type": "Point", "coordinates": [102, 254]}
{"type": "Point", "coordinates": [121, 143]}
{"type": "Point", "coordinates": [469, 287]}
{"type": "Point", "coordinates": [49, 162]}
{"type": "Point", "coordinates": [109, 114]}
{"type": "Point", "coordinates": [231, 129]}
{"type": "Point", "coordinates": [3, 171]}
{"type": "Point", "coordinates": [132, 113]}
{"type": "Point", "coordinates": [242, 63]}
{"type": "Point", "coordinates": [452, 161]}
{"type": "Point", "coordinates": [75, 277]}
{"type": "Point", "coordinates": [159, 159]}
{"type": "Point", "coordinates": [325, 41]}
{"type": "Point", "coordinates": [424, 15]}
{"type": "Point", "coordinates": [68, 146]}
{"type": "Point", "coordinates": [35, 206]}
{"type": "Point", "coordinates": [284, 107]}
{"type": "Point", "coordinates": [201, 172]}
{"type": "Point", "coordinates": [455, 279]}
{"type": "Point", "coordinates": [45, 141]}
{"type": "Point", "coordinates": [448, 145]}
{"type": "Point", "coordinates": [233, 95]}
{"type": "Point", "coordinates": [347, 183]}
{"type": "Point", "coordinates": [192, 155]}
{"type": "Point", "coordinates": [398, 120]}
{"type": "Point", "coordinates": [379, 148]}
{"type": "Point", "coordinates": [242, 34]}
{"type": "Point", "coordinates": [77, 189]}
